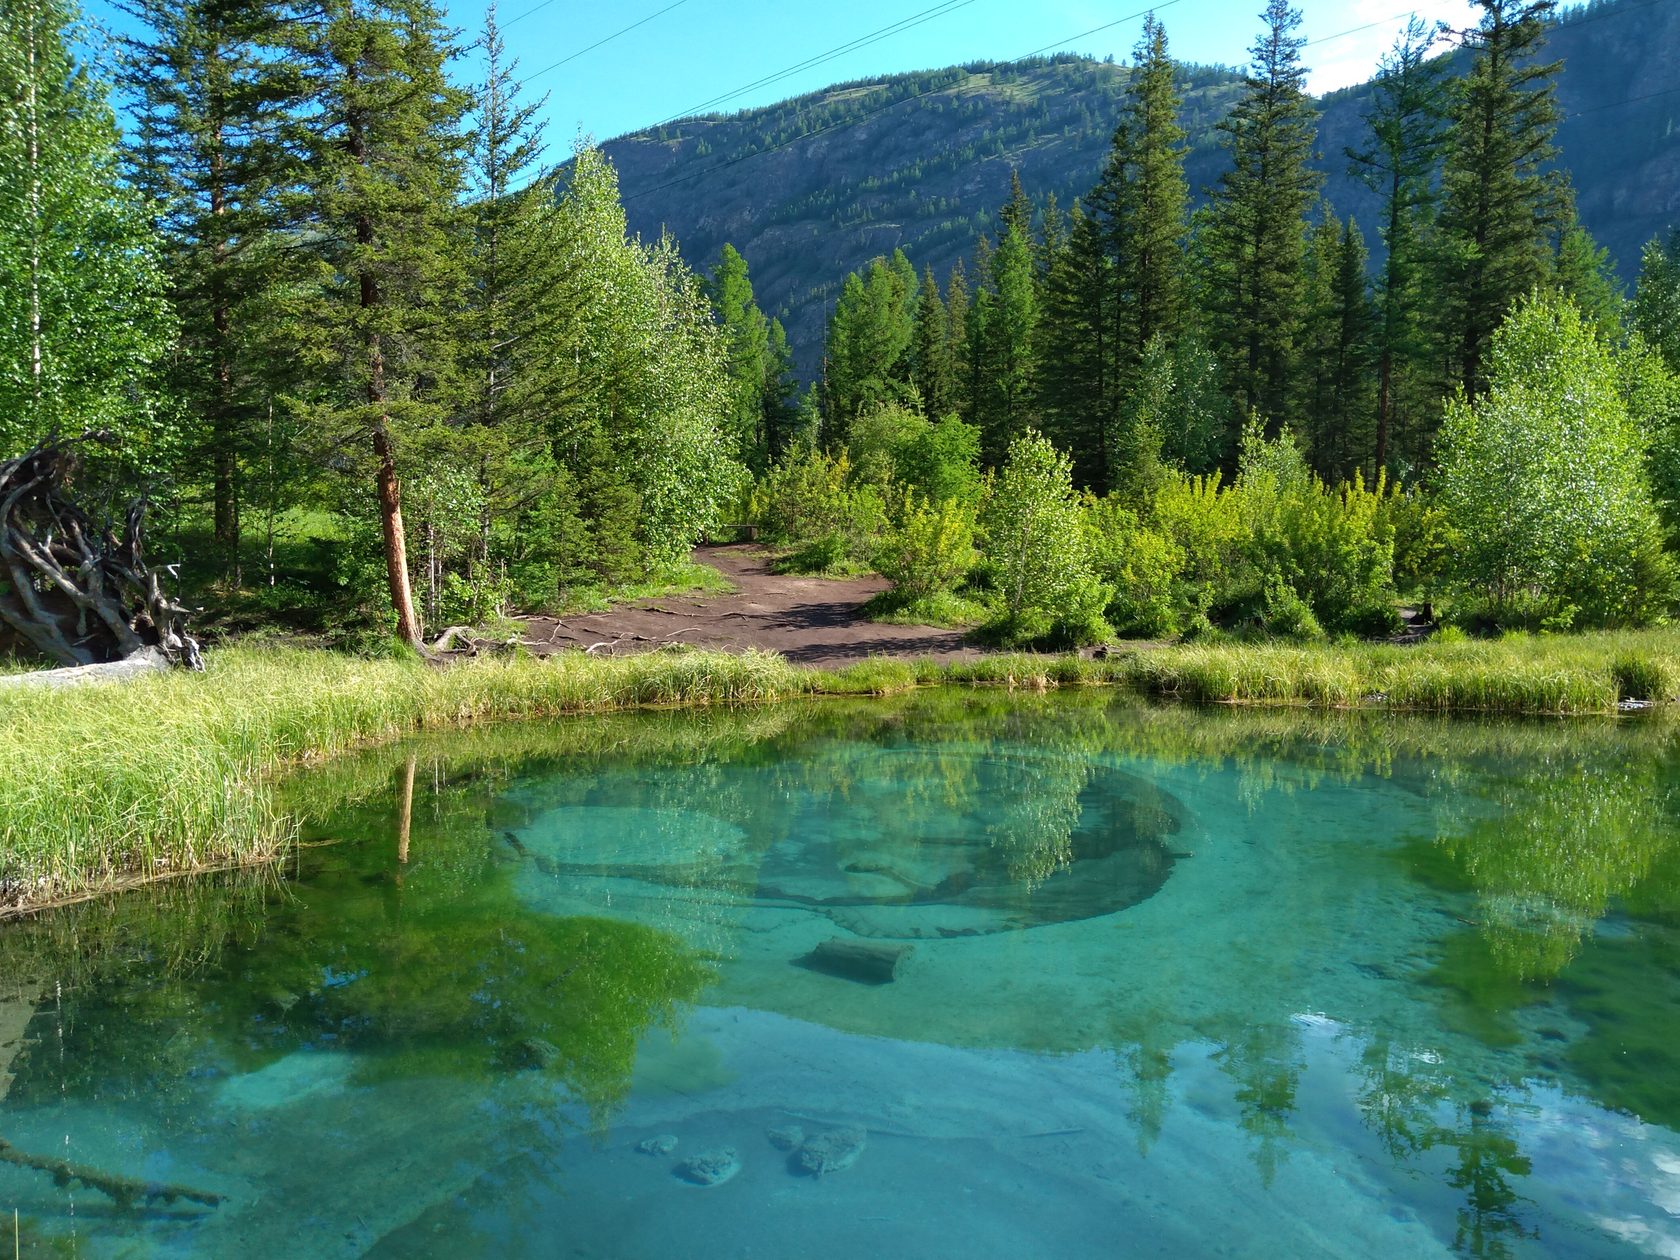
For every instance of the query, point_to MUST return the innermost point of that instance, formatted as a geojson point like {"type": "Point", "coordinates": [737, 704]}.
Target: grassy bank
{"type": "Point", "coordinates": [104, 784]}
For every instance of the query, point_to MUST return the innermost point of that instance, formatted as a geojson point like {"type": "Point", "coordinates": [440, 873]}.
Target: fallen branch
{"type": "Point", "coordinates": [146, 661]}
{"type": "Point", "coordinates": [125, 1192]}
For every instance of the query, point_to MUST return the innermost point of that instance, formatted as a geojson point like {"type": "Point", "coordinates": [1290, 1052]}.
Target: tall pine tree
{"type": "Point", "coordinates": [217, 109]}
{"type": "Point", "coordinates": [1502, 202]}
{"type": "Point", "coordinates": [1399, 163]}
{"type": "Point", "coordinates": [1258, 221]}
{"type": "Point", "coordinates": [746, 335]}
{"type": "Point", "coordinates": [386, 173]}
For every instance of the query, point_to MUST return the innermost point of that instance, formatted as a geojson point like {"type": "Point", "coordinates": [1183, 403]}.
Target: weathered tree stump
{"type": "Point", "coordinates": [77, 592]}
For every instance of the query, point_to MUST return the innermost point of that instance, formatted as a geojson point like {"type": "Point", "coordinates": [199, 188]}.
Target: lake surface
{"type": "Point", "coordinates": [1175, 983]}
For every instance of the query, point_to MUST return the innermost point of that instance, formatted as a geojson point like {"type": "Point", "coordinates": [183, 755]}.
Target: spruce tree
{"type": "Point", "coordinates": [506, 143]}
{"type": "Point", "coordinates": [781, 405]}
{"type": "Point", "coordinates": [1336, 371]}
{"type": "Point", "coordinates": [1502, 202]}
{"type": "Point", "coordinates": [1076, 389]}
{"type": "Point", "coordinates": [83, 311]}
{"type": "Point", "coordinates": [217, 105]}
{"type": "Point", "coordinates": [956, 340]}
{"type": "Point", "coordinates": [1005, 333]}
{"type": "Point", "coordinates": [930, 352]}
{"type": "Point", "coordinates": [1406, 122]}
{"type": "Point", "coordinates": [746, 335]}
{"type": "Point", "coordinates": [1655, 313]}
{"type": "Point", "coordinates": [1150, 201]}
{"type": "Point", "coordinates": [1587, 277]}
{"type": "Point", "coordinates": [385, 173]}
{"type": "Point", "coordinates": [1258, 220]}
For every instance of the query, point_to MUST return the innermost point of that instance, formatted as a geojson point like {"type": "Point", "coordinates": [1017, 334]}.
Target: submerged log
{"type": "Point", "coordinates": [125, 1192]}
{"type": "Point", "coordinates": [868, 962]}
{"type": "Point", "coordinates": [78, 592]}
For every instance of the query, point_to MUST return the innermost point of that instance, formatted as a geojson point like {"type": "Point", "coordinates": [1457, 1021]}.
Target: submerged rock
{"type": "Point", "coordinates": [530, 1053]}
{"type": "Point", "coordinates": [789, 1138]}
{"type": "Point", "coordinates": [832, 1151]}
{"type": "Point", "coordinates": [664, 1144]}
{"type": "Point", "coordinates": [710, 1168]}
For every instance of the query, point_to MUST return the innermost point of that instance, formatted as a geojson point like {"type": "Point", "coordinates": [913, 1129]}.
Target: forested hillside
{"type": "Point", "coordinates": [814, 187]}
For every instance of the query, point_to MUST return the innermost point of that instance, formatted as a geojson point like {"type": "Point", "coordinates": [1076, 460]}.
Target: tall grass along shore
{"type": "Point", "coordinates": [108, 784]}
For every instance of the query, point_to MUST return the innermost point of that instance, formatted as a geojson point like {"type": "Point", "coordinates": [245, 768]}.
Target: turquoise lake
{"type": "Point", "coordinates": [1171, 983]}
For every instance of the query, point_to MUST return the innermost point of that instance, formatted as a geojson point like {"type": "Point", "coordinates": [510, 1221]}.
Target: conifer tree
{"type": "Point", "coordinates": [1258, 220]}
{"type": "Point", "coordinates": [746, 334]}
{"type": "Point", "coordinates": [1336, 371]}
{"type": "Point", "coordinates": [1399, 164]}
{"type": "Point", "coordinates": [956, 340]}
{"type": "Point", "coordinates": [1017, 212]}
{"type": "Point", "coordinates": [1076, 389]}
{"type": "Point", "coordinates": [930, 352]}
{"type": "Point", "coordinates": [781, 406]}
{"type": "Point", "coordinates": [386, 172]}
{"type": "Point", "coordinates": [1587, 278]}
{"type": "Point", "coordinates": [507, 142]}
{"type": "Point", "coordinates": [867, 359]}
{"type": "Point", "coordinates": [1006, 364]}
{"type": "Point", "coordinates": [1502, 203]}
{"type": "Point", "coordinates": [1150, 201]}
{"type": "Point", "coordinates": [83, 315]}
{"type": "Point", "coordinates": [217, 107]}
{"type": "Point", "coordinates": [1656, 299]}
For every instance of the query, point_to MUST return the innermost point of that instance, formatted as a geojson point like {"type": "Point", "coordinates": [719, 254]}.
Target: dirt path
{"type": "Point", "coordinates": [811, 621]}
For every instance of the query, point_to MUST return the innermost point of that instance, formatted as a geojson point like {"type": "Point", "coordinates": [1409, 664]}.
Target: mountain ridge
{"type": "Point", "coordinates": [813, 187]}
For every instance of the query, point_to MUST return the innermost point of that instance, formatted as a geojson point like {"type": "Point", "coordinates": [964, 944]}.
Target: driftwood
{"type": "Point", "coordinates": [868, 962]}
{"type": "Point", "coordinates": [77, 592]}
{"type": "Point", "coordinates": [125, 1192]}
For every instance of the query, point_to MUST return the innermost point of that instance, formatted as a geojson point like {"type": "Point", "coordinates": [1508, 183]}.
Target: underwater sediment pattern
{"type": "Point", "coordinates": [958, 974]}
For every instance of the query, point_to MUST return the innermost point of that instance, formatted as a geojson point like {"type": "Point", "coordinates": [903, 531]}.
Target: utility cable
{"type": "Point", "coordinates": [862, 41]}
{"type": "Point", "coordinates": [866, 115]}
{"type": "Point", "coordinates": [598, 43]}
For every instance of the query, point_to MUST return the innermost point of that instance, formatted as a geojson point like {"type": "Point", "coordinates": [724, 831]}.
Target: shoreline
{"type": "Point", "coordinates": [107, 787]}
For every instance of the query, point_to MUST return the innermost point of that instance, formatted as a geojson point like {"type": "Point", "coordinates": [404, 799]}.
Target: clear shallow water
{"type": "Point", "coordinates": [1180, 984]}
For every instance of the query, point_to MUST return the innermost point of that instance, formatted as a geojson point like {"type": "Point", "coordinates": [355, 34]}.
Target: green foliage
{"type": "Point", "coordinates": [1543, 482]}
{"type": "Point", "coordinates": [1035, 541]}
{"type": "Point", "coordinates": [1279, 551]}
{"type": "Point", "coordinates": [928, 549]}
{"type": "Point", "coordinates": [1501, 197]}
{"type": "Point", "coordinates": [1254, 287]}
{"type": "Point", "coordinates": [1656, 299]}
{"type": "Point", "coordinates": [813, 503]}
{"type": "Point", "coordinates": [83, 313]}
{"type": "Point", "coordinates": [869, 342]}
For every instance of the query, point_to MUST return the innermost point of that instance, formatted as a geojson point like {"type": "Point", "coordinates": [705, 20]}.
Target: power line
{"type": "Point", "coordinates": [863, 41]}
{"type": "Point", "coordinates": [536, 8]}
{"type": "Point", "coordinates": [1096, 30]}
{"type": "Point", "coordinates": [868, 114]}
{"type": "Point", "coordinates": [609, 39]}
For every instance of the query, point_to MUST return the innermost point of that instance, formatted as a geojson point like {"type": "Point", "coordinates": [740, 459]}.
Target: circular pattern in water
{"type": "Point", "coordinates": [905, 843]}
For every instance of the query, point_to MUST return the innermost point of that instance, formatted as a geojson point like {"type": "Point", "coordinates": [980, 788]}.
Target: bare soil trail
{"type": "Point", "coordinates": [810, 621]}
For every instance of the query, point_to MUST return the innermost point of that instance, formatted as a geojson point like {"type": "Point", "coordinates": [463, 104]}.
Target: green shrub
{"type": "Point", "coordinates": [1544, 479]}
{"type": "Point", "coordinates": [1039, 549]}
{"type": "Point", "coordinates": [928, 550]}
{"type": "Point", "coordinates": [1143, 566]}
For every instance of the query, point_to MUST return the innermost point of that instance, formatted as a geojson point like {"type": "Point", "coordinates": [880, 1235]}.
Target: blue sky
{"type": "Point", "coordinates": [691, 52]}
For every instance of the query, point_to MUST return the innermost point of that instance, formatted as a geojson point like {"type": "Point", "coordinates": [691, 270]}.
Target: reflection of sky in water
{"type": "Point", "coordinates": [1181, 981]}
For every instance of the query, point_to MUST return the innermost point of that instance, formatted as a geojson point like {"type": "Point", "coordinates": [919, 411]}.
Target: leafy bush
{"type": "Point", "coordinates": [1144, 567]}
{"type": "Point", "coordinates": [928, 550]}
{"type": "Point", "coordinates": [1544, 483]}
{"type": "Point", "coordinates": [1037, 544]}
